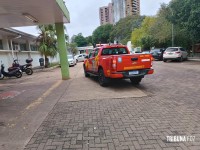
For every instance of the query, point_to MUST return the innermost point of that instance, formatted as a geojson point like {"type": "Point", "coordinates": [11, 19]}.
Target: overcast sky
{"type": "Point", "coordinates": [84, 15]}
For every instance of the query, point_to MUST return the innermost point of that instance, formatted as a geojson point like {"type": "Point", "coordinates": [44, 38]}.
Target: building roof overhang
{"type": "Point", "coordinates": [10, 32]}
{"type": "Point", "coordinates": [16, 13]}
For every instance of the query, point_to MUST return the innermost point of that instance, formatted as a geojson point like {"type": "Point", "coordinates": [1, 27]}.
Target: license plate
{"type": "Point", "coordinates": [133, 72]}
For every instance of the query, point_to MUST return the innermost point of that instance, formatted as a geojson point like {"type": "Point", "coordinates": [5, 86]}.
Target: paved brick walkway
{"type": "Point", "coordinates": [170, 109]}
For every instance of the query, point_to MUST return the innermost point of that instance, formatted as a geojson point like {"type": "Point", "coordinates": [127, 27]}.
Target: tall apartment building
{"type": "Point", "coordinates": [119, 7]}
{"type": "Point", "coordinates": [123, 8]}
{"type": "Point", "coordinates": [105, 14]}
{"type": "Point", "coordinates": [132, 7]}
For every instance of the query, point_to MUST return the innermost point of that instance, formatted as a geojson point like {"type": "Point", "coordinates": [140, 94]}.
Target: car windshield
{"type": "Point", "coordinates": [171, 49]}
{"type": "Point", "coordinates": [155, 50]}
{"type": "Point", "coordinates": [114, 51]}
{"type": "Point", "coordinates": [145, 52]}
{"type": "Point", "coordinates": [70, 57]}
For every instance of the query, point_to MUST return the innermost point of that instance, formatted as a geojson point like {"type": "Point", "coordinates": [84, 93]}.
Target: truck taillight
{"type": "Point", "coordinates": [114, 64]}
{"type": "Point", "coordinates": [151, 71]}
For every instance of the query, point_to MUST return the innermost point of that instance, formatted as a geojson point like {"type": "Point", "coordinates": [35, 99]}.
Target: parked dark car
{"type": "Point", "coordinates": [157, 53]}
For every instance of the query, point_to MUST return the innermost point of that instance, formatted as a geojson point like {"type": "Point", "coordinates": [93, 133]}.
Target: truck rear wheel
{"type": "Point", "coordinates": [103, 81]}
{"type": "Point", "coordinates": [136, 80]}
{"type": "Point", "coordinates": [85, 72]}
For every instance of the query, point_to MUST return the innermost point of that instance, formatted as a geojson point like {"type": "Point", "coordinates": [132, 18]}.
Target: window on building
{"type": "Point", "coordinates": [1, 45]}
{"type": "Point", "coordinates": [23, 47]}
{"type": "Point", "coordinates": [15, 46]}
{"type": "Point", "coordinates": [33, 47]}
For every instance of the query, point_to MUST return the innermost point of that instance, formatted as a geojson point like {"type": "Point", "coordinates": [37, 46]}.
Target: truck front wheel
{"type": "Point", "coordinates": [136, 80]}
{"type": "Point", "coordinates": [103, 81]}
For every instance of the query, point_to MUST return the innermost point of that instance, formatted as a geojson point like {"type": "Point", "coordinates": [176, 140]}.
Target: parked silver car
{"type": "Point", "coordinates": [175, 53]}
{"type": "Point", "coordinates": [71, 60]}
{"type": "Point", "coordinates": [80, 57]}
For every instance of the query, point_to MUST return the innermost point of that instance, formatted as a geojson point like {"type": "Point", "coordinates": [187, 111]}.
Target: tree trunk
{"type": "Point", "coordinates": [46, 62]}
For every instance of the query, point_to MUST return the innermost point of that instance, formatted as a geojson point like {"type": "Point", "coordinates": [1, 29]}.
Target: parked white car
{"type": "Point", "coordinates": [80, 57]}
{"type": "Point", "coordinates": [71, 60]}
{"type": "Point", "coordinates": [175, 53]}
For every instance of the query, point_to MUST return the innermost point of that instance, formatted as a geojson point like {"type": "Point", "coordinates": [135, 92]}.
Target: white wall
{"type": "Point", "coordinates": [7, 60]}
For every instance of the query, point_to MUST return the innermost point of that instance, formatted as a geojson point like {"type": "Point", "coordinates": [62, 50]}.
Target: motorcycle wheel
{"type": "Point", "coordinates": [18, 74]}
{"type": "Point", "coordinates": [1, 77]}
{"type": "Point", "coordinates": [29, 71]}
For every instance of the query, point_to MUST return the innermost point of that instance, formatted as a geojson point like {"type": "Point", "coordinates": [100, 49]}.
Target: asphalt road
{"type": "Point", "coordinates": [43, 112]}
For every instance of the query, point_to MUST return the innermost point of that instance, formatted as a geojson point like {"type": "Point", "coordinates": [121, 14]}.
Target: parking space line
{"type": "Point", "coordinates": [44, 95]}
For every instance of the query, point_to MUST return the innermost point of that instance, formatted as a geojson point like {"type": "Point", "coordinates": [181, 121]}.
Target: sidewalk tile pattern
{"type": "Point", "coordinates": [118, 124]}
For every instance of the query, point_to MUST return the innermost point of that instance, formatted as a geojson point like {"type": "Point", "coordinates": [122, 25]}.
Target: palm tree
{"type": "Point", "coordinates": [47, 42]}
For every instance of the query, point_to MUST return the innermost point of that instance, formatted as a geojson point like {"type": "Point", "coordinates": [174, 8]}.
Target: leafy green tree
{"type": "Point", "coordinates": [123, 29]}
{"type": "Point", "coordinates": [89, 40]}
{"type": "Point", "coordinates": [147, 42]}
{"type": "Point", "coordinates": [67, 38]}
{"type": "Point", "coordinates": [72, 48]}
{"type": "Point", "coordinates": [79, 40]}
{"type": "Point", "coordinates": [161, 29]}
{"type": "Point", "coordinates": [141, 36]}
{"type": "Point", "coordinates": [186, 15]}
{"type": "Point", "coordinates": [136, 37]}
{"type": "Point", "coordinates": [47, 41]}
{"type": "Point", "coordinates": [102, 34]}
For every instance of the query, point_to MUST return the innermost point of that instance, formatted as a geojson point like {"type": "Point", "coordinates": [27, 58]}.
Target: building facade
{"type": "Point", "coordinates": [119, 8]}
{"type": "Point", "coordinates": [105, 14]}
{"type": "Point", "coordinates": [132, 7]}
{"type": "Point", "coordinates": [124, 8]}
{"type": "Point", "coordinates": [15, 44]}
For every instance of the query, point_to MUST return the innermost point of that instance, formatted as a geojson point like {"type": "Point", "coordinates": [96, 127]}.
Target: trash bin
{"type": "Point", "coordinates": [41, 60]}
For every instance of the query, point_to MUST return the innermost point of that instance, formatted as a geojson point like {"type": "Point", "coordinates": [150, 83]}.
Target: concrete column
{"type": "Point", "coordinates": [62, 50]}
{"type": "Point", "coordinates": [11, 44]}
{"type": "Point", "coordinates": [28, 47]}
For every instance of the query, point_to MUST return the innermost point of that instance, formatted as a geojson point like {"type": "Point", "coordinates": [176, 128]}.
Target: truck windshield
{"type": "Point", "coordinates": [114, 51]}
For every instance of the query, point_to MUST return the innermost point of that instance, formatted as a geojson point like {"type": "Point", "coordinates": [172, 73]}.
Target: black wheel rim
{"type": "Point", "coordinates": [29, 72]}
{"type": "Point", "coordinates": [18, 75]}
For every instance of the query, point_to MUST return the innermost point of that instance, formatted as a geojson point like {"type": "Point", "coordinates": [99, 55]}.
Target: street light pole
{"type": "Point", "coordinates": [172, 30]}
{"type": "Point", "coordinates": [172, 34]}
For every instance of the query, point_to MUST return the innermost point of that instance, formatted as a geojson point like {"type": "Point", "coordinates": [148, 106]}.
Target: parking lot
{"type": "Point", "coordinates": [44, 112]}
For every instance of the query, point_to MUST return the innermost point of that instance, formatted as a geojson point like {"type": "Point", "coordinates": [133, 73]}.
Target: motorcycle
{"type": "Point", "coordinates": [15, 73]}
{"type": "Point", "coordinates": [24, 68]}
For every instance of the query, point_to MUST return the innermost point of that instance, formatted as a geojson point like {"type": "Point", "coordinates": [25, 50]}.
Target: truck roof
{"type": "Point", "coordinates": [111, 46]}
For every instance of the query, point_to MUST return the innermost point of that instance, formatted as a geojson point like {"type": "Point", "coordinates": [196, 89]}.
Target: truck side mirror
{"type": "Point", "coordinates": [86, 57]}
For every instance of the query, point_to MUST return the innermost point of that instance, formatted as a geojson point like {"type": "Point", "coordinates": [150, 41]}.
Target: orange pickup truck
{"type": "Point", "coordinates": [115, 61]}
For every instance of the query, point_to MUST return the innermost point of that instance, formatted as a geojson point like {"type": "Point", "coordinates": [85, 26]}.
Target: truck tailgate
{"type": "Point", "coordinates": [133, 62]}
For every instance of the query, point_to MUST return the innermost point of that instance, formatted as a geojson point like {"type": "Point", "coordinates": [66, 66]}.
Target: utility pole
{"type": "Point", "coordinates": [172, 29]}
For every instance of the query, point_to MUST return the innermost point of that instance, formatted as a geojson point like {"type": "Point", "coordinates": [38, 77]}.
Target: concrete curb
{"type": "Point", "coordinates": [194, 59]}
{"type": "Point", "coordinates": [45, 69]}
